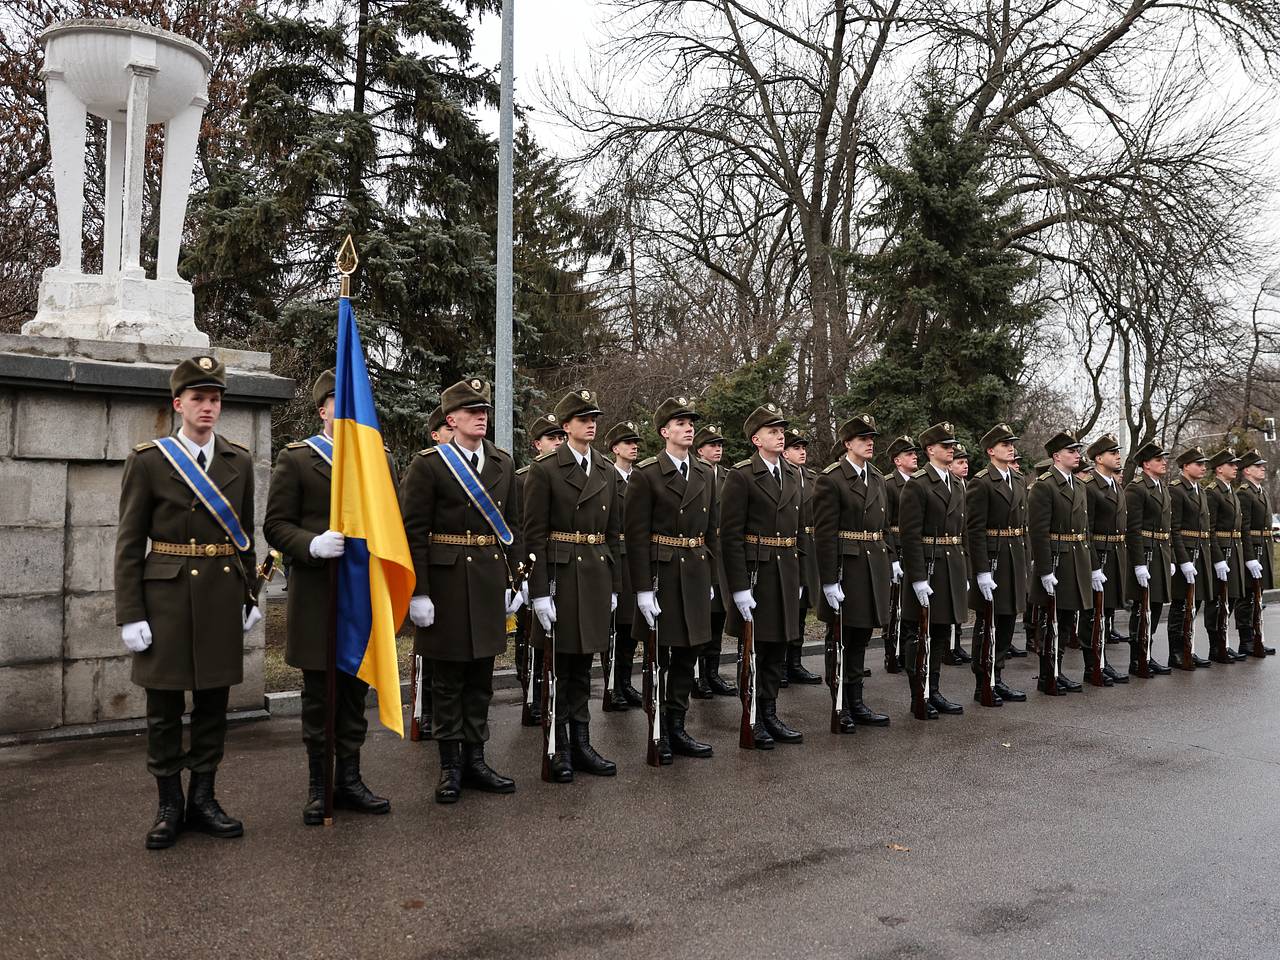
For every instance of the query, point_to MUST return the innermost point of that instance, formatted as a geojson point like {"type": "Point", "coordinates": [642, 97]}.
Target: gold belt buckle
{"type": "Point", "coordinates": [210, 550]}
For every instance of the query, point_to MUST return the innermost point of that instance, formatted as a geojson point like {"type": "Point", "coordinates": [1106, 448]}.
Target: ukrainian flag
{"type": "Point", "coordinates": [375, 574]}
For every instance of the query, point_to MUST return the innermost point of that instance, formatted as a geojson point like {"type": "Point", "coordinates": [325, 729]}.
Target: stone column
{"type": "Point", "coordinates": [180, 135]}
{"type": "Point", "coordinates": [135, 161]}
{"type": "Point", "coordinates": [113, 212]}
{"type": "Point", "coordinates": [67, 116]}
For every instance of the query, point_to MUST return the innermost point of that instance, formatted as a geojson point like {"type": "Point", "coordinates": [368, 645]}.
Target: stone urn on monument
{"type": "Point", "coordinates": [131, 75]}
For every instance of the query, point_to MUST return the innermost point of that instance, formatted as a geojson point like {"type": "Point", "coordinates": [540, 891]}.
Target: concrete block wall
{"type": "Point", "coordinates": [62, 455]}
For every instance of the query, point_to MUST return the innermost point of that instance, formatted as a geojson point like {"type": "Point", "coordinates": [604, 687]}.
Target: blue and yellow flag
{"type": "Point", "coordinates": [375, 576]}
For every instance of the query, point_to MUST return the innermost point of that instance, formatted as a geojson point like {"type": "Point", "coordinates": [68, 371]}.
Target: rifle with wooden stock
{"type": "Point", "coordinates": [920, 687]}
{"type": "Point", "coordinates": [835, 667]}
{"type": "Point", "coordinates": [747, 681]}
{"type": "Point", "coordinates": [1047, 639]}
{"type": "Point", "coordinates": [549, 730]}
{"type": "Point", "coordinates": [1218, 643]}
{"type": "Point", "coordinates": [525, 651]}
{"type": "Point", "coordinates": [892, 631]}
{"type": "Point", "coordinates": [984, 630]}
{"type": "Point", "coordinates": [1097, 641]}
{"type": "Point", "coordinates": [1257, 648]}
{"type": "Point", "coordinates": [1142, 636]}
{"type": "Point", "coordinates": [1188, 637]}
{"type": "Point", "coordinates": [653, 690]}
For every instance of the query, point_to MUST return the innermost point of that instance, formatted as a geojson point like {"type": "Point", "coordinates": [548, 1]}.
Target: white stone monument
{"type": "Point", "coordinates": [131, 75]}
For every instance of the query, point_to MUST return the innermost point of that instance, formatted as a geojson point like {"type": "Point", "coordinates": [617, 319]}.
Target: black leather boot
{"type": "Point", "coordinates": [313, 811]}
{"type": "Point", "coordinates": [845, 722]}
{"type": "Point", "coordinates": [350, 792]}
{"type": "Point", "coordinates": [760, 734]}
{"type": "Point", "coordinates": [204, 812]}
{"type": "Point", "coordinates": [720, 686]}
{"type": "Point", "coordinates": [1065, 682]}
{"type": "Point", "coordinates": [941, 703]}
{"type": "Point", "coordinates": [1115, 675]}
{"type": "Point", "coordinates": [996, 699]}
{"type": "Point", "coordinates": [863, 715]}
{"type": "Point", "coordinates": [562, 760]}
{"type": "Point", "coordinates": [164, 832]}
{"type": "Point", "coordinates": [778, 728]}
{"type": "Point", "coordinates": [476, 773]}
{"type": "Point", "coordinates": [796, 670]}
{"type": "Point", "coordinates": [1006, 692]}
{"type": "Point", "coordinates": [701, 689]}
{"type": "Point", "coordinates": [584, 755]}
{"type": "Point", "coordinates": [682, 743]}
{"type": "Point", "coordinates": [449, 787]}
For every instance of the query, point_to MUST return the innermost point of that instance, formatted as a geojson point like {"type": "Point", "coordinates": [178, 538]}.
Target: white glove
{"type": "Point", "coordinates": [986, 585]}
{"type": "Point", "coordinates": [1188, 572]}
{"type": "Point", "coordinates": [1099, 578]}
{"type": "Point", "coordinates": [252, 617]}
{"type": "Point", "coordinates": [1255, 568]}
{"type": "Point", "coordinates": [1221, 569]}
{"type": "Point", "coordinates": [328, 545]}
{"type": "Point", "coordinates": [647, 604]}
{"type": "Point", "coordinates": [897, 572]}
{"type": "Point", "coordinates": [514, 600]}
{"type": "Point", "coordinates": [923, 591]}
{"type": "Point", "coordinates": [745, 602]}
{"type": "Point", "coordinates": [613, 602]}
{"type": "Point", "coordinates": [834, 594]}
{"type": "Point", "coordinates": [545, 610]}
{"type": "Point", "coordinates": [422, 612]}
{"type": "Point", "coordinates": [136, 635]}
{"type": "Point", "coordinates": [1143, 575]}
{"type": "Point", "coordinates": [1049, 581]}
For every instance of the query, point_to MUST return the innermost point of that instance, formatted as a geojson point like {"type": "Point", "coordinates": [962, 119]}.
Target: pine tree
{"type": "Point", "coordinates": [364, 124]}
{"type": "Point", "coordinates": [950, 293]}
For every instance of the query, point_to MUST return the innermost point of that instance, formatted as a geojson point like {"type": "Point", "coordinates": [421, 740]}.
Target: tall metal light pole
{"type": "Point", "coordinates": [503, 354]}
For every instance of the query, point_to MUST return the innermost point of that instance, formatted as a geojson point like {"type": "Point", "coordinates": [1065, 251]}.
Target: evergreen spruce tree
{"type": "Point", "coordinates": [950, 294]}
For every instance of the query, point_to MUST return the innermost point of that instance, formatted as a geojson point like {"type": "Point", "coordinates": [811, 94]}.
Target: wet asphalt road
{"type": "Point", "coordinates": [1135, 822]}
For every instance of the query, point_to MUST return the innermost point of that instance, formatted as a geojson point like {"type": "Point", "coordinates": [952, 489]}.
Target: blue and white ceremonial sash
{"type": "Point", "coordinates": [205, 490]}
{"type": "Point", "coordinates": [476, 493]}
{"type": "Point", "coordinates": [321, 445]}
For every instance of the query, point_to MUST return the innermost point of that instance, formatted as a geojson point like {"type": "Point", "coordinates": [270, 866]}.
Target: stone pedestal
{"type": "Point", "coordinates": [70, 413]}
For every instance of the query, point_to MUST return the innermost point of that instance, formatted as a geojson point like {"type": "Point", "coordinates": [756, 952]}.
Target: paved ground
{"type": "Point", "coordinates": [1132, 822]}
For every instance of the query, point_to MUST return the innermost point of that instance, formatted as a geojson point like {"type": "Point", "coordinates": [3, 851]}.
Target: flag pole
{"type": "Point", "coordinates": [347, 261]}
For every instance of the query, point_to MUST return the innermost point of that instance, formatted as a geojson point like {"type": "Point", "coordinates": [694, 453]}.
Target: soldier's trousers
{"type": "Point", "coordinates": [573, 687]}
{"type": "Point", "coordinates": [1002, 633]}
{"type": "Point", "coordinates": [939, 643]}
{"type": "Point", "coordinates": [771, 666]}
{"type": "Point", "coordinates": [1211, 613]}
{"type": "Point", "coordinates": [1084, 633]}
{"type": "Point", "coordinates": [349, 722]}
{"type": "Point", "coordinates": [710, 651]}
{"type": "Point", "coordinates": [625, 653]}
{"type": "Point", "coordinates": [855, 641]}
{"type": "Point", "coordinates": [1244, 622]}
{"type": "Point", "coordinates": [165, 755]}
{"type": "Point", "coordinates": [680, 661]}
{"type": "Point", "coordinates": [460, 694]}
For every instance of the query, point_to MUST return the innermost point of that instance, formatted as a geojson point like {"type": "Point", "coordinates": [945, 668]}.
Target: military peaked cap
{"type": "Point", "coordinates": [198, 372]}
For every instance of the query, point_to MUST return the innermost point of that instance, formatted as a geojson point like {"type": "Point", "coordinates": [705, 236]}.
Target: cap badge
{"type": "Point", "coordinates": [475, 384]}
{"type": "Point", "coordinates": [550, 418]}
{"type": "Point", "coordinates": [947, 426]}
{"type": "Point", "coordinates": [630, 425]}
{"type": "Point", "coordinates": [713, 428]}
{"type": "Point", "coordinates": [585, 394]}
{"type": "Point", "coordinates": [907, 438]}
{"type": "Point", "coordinates": [206, 363]}
{"type": "Point", "coordinates": [771, 408]}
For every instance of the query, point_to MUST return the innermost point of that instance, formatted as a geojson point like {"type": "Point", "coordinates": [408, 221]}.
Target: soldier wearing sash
{"type": "Point", "coordinates": [932, 547]}
{"type": "Point", "coordinates": [1226, 545]}
{"type": "Point", "coordinates": [1147, 514]}
{"type": "Point", "coordinates": [1190, 534]}
{"type": "Point", "coordinates": [545, 435]}
{"type": "Point", "coordinates": [459, 517]}
{"type": "Point", "coordinates": [708, 444]}
{"type": "Point", "coordinates": [855, 564]}
{"type": "Point", "coordinates": [796, 453]}
{"type": "Point", "coordinates": [1108, 524]}
{"type": "Point", "coordinates": [623, 444]}
{"type": "Point", "coordinates": [571, 527]}
{"type": "Point", "coordinates": [185, 605]}
{"type": "Point", "coordinates": [762, 537]}
{"type": "Point", "coordinates": [996, 505]}
{"type": "Point", "coordinates": [904, 458]}
{"type": "Point", "coordinates": [297, 524]}
{"type": "Point", "coordinates": [672, 535]}
{"type": "Point", "coordinates": [1255, 521]}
